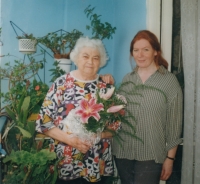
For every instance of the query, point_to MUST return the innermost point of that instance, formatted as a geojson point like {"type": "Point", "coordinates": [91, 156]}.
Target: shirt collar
{"type": "Point", "coordinates": [161, 69]}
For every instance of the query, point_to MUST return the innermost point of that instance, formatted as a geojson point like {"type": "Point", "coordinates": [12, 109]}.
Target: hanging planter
{"type": "Point", "coordinates": [27, 46]}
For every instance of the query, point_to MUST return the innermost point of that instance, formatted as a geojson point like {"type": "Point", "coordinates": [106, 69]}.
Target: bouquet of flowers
{"type": "Point", "coordinates": [105, 112]}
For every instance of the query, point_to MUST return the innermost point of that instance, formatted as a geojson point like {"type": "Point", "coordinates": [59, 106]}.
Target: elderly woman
{"type": "Point", "coordinates": [63, 96]}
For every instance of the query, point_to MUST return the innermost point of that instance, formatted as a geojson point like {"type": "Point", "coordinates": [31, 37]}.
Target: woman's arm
{"type": "Point", "coordinates": [174, 129]}
{"type": "Point", "coordinates": [68, 139]}
{"type": "Point", "coordinates": [168, 164]}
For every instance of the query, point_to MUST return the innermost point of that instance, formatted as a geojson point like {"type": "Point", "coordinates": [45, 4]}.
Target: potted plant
{"type": "Point", "coordinates": [28, 161]}
{"type": "Point", "coordinates": [27, 43]}
{"type": "Point", "coordinates": [61, 43]}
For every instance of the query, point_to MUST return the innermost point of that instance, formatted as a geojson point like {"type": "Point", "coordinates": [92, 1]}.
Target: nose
{"type": "Point", "coordinates": [140, 53]}
{"type": "Point", "coordinates": [90, 60]}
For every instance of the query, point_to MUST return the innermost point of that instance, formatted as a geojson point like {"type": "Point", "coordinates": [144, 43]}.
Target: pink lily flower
{"type": "Point", "coordinates": [108, 94]}
{"type": "Point", "coordinates": [88, 109]}
{"type": "Point", "coordinates": [115, 108]}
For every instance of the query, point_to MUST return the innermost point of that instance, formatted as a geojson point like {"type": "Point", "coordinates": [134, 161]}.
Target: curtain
{"type": "Point", "coordinates": [177, 70]}
{"type": "Point", "coordinates": [190, 30]}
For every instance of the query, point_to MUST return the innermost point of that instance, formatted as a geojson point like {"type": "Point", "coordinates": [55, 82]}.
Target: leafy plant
{"type": "Point", "coordinates": [27, 36]}
{"type": "Point", "coordinates": [29, 160]}
{"type": "Point", "coordinates": [99, 30]}
{"type": "Point", "coordinates": [31, 167]}
{"type": "Point", "coordinates": [56, 72]}
{"type": "Point", "coordinates": [60, 44]}
{"type": "Point", "coordinates": [25, 94]}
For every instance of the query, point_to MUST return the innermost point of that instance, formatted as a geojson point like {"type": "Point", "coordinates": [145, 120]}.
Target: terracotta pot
{"type": "Point", "coordinates": [59, 56]}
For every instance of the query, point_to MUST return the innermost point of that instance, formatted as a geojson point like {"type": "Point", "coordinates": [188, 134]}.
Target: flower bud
{"type": "Point", "coordinates": [115, 108]}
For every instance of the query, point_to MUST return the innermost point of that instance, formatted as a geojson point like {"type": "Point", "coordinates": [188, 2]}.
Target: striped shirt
{"type": "Point", "coordinates": [158, 114]}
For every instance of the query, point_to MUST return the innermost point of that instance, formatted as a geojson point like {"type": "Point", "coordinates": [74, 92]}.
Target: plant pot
{"type": "Point", "coordinates": [62, 56]}
{"type": "Point", "coordinates": [64, 64]}
{"type": "Point", "coordinates": [27, 46]}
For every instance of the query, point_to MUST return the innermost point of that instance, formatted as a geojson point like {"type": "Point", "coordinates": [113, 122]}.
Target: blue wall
{"type": "Point", "coordinates": [42, 16]}
{"type": "Point", "coordinates": [130, 17]}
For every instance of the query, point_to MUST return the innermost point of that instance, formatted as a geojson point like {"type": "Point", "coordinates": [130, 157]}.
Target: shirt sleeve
{"type": "Point", "coordinates": [174, 121]}
{"type": "Point", "coordinates": [47, 116]}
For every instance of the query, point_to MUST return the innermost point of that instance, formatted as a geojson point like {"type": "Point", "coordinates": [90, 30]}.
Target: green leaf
{"type": "Point", "coordinates": [20, 104]}
{"type": "Point", "coordinates": [92, 125]}
{"type": "Point", "coordinates": [31, 127]}
{"type": "Point", "coordinates": [26, 103]}
{"type": "Point", "coordinates": [25, 116]}
{"type": "Point", "coordinates": [11, 113]}
{"type": "Point", "coordinates": [25, 133]}
{"type": "Point", "coordinates": [87, 27]}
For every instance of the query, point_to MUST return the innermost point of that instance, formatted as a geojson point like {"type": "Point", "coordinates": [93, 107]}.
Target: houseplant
{"type": "Point", "coordinates": [61, 43]}
{"type": "Point", "coordinates": [27, 43]}
{"type": "Point", "coordinates": [28, 161]}
{"type": "Point", "coordinates": [100, 30]}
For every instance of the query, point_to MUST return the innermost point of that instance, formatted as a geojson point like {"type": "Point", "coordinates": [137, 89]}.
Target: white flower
{"type": "Point", "coordinates": [108, 94]}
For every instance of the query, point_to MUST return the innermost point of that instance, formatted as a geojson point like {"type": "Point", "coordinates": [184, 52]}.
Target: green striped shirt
{"type": "Point", "coordinates": [158, 114]}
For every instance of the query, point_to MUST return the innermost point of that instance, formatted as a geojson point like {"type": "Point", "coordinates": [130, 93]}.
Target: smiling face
{"type": "Point", "coordinates": [88, 62]}
{"type": "Point", "coordinates": [143, 54]}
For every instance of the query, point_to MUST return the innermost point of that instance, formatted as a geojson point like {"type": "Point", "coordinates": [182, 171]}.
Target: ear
{"type": "Point", "coordinates": [155, 53]}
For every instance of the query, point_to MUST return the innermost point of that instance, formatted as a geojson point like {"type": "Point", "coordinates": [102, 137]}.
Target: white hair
{"type": "Point", "coordinates": [93, 43]}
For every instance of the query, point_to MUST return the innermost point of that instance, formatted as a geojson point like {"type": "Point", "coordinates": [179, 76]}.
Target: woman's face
{"type": "Point", "coordinates": [88, 62]}
{"type": "Point", "coordinates": [143, 53]}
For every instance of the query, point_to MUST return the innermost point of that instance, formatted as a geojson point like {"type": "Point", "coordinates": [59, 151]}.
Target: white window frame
{"type": "Point", "coordinates": [159, 21]}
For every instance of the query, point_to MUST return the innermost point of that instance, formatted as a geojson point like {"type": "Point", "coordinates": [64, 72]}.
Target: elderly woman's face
{"type": "Point", "coordinates": [88, 61]}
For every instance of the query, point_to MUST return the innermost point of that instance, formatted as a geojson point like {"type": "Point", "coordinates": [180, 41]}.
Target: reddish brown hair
{"type": "Point", "coordinates": [153, 40]}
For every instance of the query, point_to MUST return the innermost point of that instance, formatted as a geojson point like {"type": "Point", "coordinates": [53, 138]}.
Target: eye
{"type": "Point", "coordinates": [135, 50]}
{"type": "Point", "coordinates": [96, 58]}
{"type": "Point", "coordinates": [85, 56]}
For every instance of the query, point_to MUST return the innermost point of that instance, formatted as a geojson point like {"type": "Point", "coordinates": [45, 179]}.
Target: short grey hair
{"type": "Point", "coordinates": [88, 42]}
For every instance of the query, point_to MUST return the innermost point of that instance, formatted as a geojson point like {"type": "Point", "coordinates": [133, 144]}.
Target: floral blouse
{"type": "Point", "coordinates": [63, 96]}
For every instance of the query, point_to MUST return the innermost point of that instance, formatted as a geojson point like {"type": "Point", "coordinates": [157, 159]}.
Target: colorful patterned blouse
{"type": "Point", "coordinates": [63, 96]}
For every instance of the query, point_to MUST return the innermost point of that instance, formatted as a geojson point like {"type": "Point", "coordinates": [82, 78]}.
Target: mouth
{"type": "Point", "coordinates": [90, 67]}
{"type": "Point", "coordinates": [141, 61]}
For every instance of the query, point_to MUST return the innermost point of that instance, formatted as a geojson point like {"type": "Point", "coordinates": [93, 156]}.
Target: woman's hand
{"type": "Point", "coordinates": [106, 134]}
{"type": "Point", "coordinates": [74, 141]}
{"type": "Point", "coordinates": [166, 169]}
{"type": "Point", "coordinates": [107, 78]}
{"type": "Point", "coordinates": [168, 164]}
{"type": "Point", "coordinates": [79, 144]}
